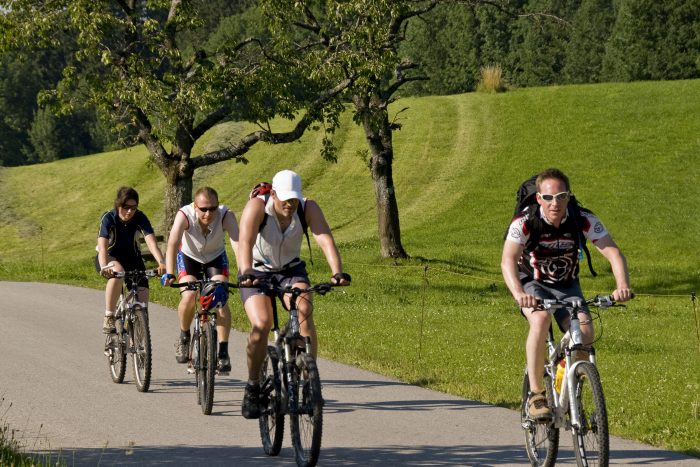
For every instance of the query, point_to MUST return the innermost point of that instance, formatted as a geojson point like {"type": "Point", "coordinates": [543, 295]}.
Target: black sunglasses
{"type": "Point", "coordinates": [207, 209]}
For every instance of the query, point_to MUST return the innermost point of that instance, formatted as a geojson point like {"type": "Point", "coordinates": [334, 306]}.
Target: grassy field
{"type": "Point", "coordinates": [444, 318]}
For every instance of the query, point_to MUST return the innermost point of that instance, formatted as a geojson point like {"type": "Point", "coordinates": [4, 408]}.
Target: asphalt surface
{"type": "Point", "coordinates": [57, 393]}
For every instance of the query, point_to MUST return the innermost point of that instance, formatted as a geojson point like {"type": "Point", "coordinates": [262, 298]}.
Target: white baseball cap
{"type": "Point", "coordinates": [287, 185]}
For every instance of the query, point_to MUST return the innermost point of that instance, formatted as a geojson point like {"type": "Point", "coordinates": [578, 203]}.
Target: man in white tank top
{"type": "Point", "coordinates": [273, 252]}
{"type": "Point", "coordinates": [197, 250]}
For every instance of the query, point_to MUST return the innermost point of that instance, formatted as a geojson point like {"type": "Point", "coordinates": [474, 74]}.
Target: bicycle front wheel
{"type": "Point", "coordinates": [207, 367]}
{"type": "Point", "coordinates": [116, 357]}
{"type": "Point", "coordinates": [271, 413]}
{"type": "Point", "coordinates": [306, 414]}
{"type": "Point", "coordinates": [541, 438]}
{"type": "Point", "coordinates": [591, 441]}
{"type": "Point", "coordinates": [141, 350]}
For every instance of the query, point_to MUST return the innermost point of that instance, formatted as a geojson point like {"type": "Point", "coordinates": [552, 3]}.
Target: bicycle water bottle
{"type": "Point", "coordinates": [560, 375]}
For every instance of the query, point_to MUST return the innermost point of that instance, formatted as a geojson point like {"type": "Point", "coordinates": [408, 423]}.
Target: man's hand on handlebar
{"type": "Point", "coordinates": [526, 300]}
{"type": "Point", "coordinates": [167, 279]}
{"type": "Point", "coordinates": [247, 279]}
{"type": "Point", "coordinates": [622, 294]}
{"type": "Point", "coordinates": [341, 278]}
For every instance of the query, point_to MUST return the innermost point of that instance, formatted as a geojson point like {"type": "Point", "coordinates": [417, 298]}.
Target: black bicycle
{"type": "Point", "coordinates": [290, 383]}
{"type": "Point", "coordinates": [203, 344]}
{"type": "Point", "coordinates": [133, 335]}
{"type": "Point", "coordinates": [573, 391]}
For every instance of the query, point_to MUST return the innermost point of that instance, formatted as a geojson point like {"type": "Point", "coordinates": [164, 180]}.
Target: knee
{"type": "Point", "coordinates": [260, 330]}
{"type": "Point", "coordinates": [539, 323]}
{"type": "Point", "coordinates": [187, 298]}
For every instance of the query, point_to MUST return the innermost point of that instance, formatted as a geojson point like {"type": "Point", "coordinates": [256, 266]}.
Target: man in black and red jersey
{"type": "Point", "coordinates": [540, 260]}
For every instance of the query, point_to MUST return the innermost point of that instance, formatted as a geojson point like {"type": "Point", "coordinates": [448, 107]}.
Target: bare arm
{"type": "Point", "coordinates": [152, 244]}
{"type": "Point", "coordinates": [509, 267]}
{"type": "Point", "coordinates": [178, 228]}
{"type": "Point", "coordinates": [323, 236]}
{"type": "Point", "coordinates": [102, 246]}
{"type": "Point", "coordinates": [251, 218]}
{"type": "Point", "coordinates": [231, 226]}
{"type": "Point", "coordinates": [618, 263]}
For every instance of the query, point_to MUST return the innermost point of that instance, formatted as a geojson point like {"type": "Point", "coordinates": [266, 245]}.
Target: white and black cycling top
{"type": "Point", "coordinates": [553, 256]}
{"type": "Point", "coordinates": [274, 249]}
{"type": "Point", "coordinates": [199, 245]}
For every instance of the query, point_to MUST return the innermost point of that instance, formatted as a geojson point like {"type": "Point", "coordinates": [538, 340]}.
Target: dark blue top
{"type": "Point", "coordinates": [122, 235]}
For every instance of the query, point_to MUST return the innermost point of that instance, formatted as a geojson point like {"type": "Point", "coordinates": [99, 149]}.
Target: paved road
{"type": "Point", "coordinates": [54, 375]}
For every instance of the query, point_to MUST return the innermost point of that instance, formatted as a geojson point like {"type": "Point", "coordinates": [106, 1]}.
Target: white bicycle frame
{"type": "Point", "coordinates": [566, 396]}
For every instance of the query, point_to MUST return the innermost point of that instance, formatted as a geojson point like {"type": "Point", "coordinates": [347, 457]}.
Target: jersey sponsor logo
{"type": "Point", "coordinates": [598, 228]}
{"type": "Point", "coordinates": [556, 268]}
{"type": "Point", "coordinates": [557, 243]}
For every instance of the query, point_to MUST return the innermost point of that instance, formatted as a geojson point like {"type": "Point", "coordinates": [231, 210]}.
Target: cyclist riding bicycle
{"type": "Point", "coordinates": [118, 251]}
{"type": "Point", "coordinates": [196, 247]}
{"type": "Point", "coordinates": [269, 249]}
{"type": "Point", "coordinates": [541, 260]}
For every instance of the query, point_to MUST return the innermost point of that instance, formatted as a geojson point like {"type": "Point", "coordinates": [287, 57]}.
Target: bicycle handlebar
{"type": "Point", "coordinates": [198, 284]}
{"type": "Point", "coordinates": [149, 273]}
{"type": "Point", "coordinates": [599, 301]}
{"type": "Point", "coordinates": [322, 288]}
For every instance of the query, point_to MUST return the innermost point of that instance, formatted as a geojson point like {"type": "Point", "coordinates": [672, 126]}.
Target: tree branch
{"type": "Point", "coordinates": [395, 25]}
{"type": "Point", "coordinates": [402, 79]}
{"type": "Point", "coordinates": [209, 121]}
{"type": "Point", "coordinates": [145, 134]}
{"type": "Point", "coordinates": [235, 151]}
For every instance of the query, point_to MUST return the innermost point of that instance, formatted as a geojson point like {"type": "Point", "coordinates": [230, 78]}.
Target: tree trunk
{"type": "Point", "coordinates": [178, 192]}
{"type": "Point", "coordinates": [375, 122]}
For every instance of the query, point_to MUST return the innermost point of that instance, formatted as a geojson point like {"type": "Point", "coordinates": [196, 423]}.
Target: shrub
{"type": "Point", "coordinates": [491, 79]}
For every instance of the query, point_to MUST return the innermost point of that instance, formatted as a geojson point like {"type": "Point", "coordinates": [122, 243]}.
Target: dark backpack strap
{"type": "Point", "coordinates": [304, 226]}
{"type": "Point", "coordinates": [575, 213]}
{"type": "Point", "coordinates": [264, 221]}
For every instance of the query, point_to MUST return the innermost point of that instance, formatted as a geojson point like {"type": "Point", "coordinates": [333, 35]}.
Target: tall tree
{"type": "Point", "coordinates": [364, 35]}
{"type": "Point", "coordinates": [538, 42]}
{"type": "Point", "coordinates": [590, 30]}
{"type": "Point", "coordinates": [654, 40]}
{"type": "Point", "coordinates": [129, 63]}
{"type": "Point", "coordinates": [447, 46]}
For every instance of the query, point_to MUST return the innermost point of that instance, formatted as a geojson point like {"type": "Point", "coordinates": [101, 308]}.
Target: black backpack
{"type": "Point", "coordinates": [526, 198]}
{"type": "Point", "coordinates": [263, 189]}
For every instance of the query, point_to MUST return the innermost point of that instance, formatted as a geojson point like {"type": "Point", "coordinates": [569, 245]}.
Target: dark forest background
{"type": "Point", "coordinates": [574, 41]}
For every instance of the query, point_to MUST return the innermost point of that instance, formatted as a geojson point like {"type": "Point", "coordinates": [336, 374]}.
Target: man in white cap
{"type": "Point", "coordinates": [270, 241]}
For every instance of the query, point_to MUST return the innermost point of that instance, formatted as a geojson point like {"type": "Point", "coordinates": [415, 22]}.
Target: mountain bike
{"type": "Point", "coordinates": [133, 335]}
{"type": "Point", "coordinates": [578, 404]}
{"type": "Point", "coordinates": [290, 383]}
{"type": "Point", "coordinates": [203, 346]}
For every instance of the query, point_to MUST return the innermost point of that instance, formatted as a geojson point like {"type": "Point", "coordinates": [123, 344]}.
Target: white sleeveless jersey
{"type": "Point", "coordinates": [199, 245]}
{"type": "Point", "coordinates": [275, 250]}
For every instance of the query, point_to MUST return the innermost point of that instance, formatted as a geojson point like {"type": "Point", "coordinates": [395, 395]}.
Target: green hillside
{"type": "Point", "coordinates": [444, 319]}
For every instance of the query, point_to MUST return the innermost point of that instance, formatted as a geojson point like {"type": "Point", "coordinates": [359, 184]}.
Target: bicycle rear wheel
{"type": "Point", "coordinates": [271, 414]}
{"type": "Point", "coordinates": [591, 441]}
{"type": "Point", "coordinates": [541, 439]}
{"type": "Point", "coordinates": [116, 357]}
{"type": "Point", "coordinates": [306, 413]}
{"type": "Point", "coordinates": [141, 355]}
{"type": "Point", "coordinates": [207, 366]}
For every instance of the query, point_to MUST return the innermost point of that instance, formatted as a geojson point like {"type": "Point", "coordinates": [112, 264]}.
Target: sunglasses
{"type": "Point", "coordinates": [563, 196]}
{"type": "Point", "coordinates": [130, 207]}
{"type": "Point", "coordinates": [207, 209]}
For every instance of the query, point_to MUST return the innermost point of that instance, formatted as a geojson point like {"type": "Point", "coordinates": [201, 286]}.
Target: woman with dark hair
{"type": "Point", "coordinates": [118, 250]}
